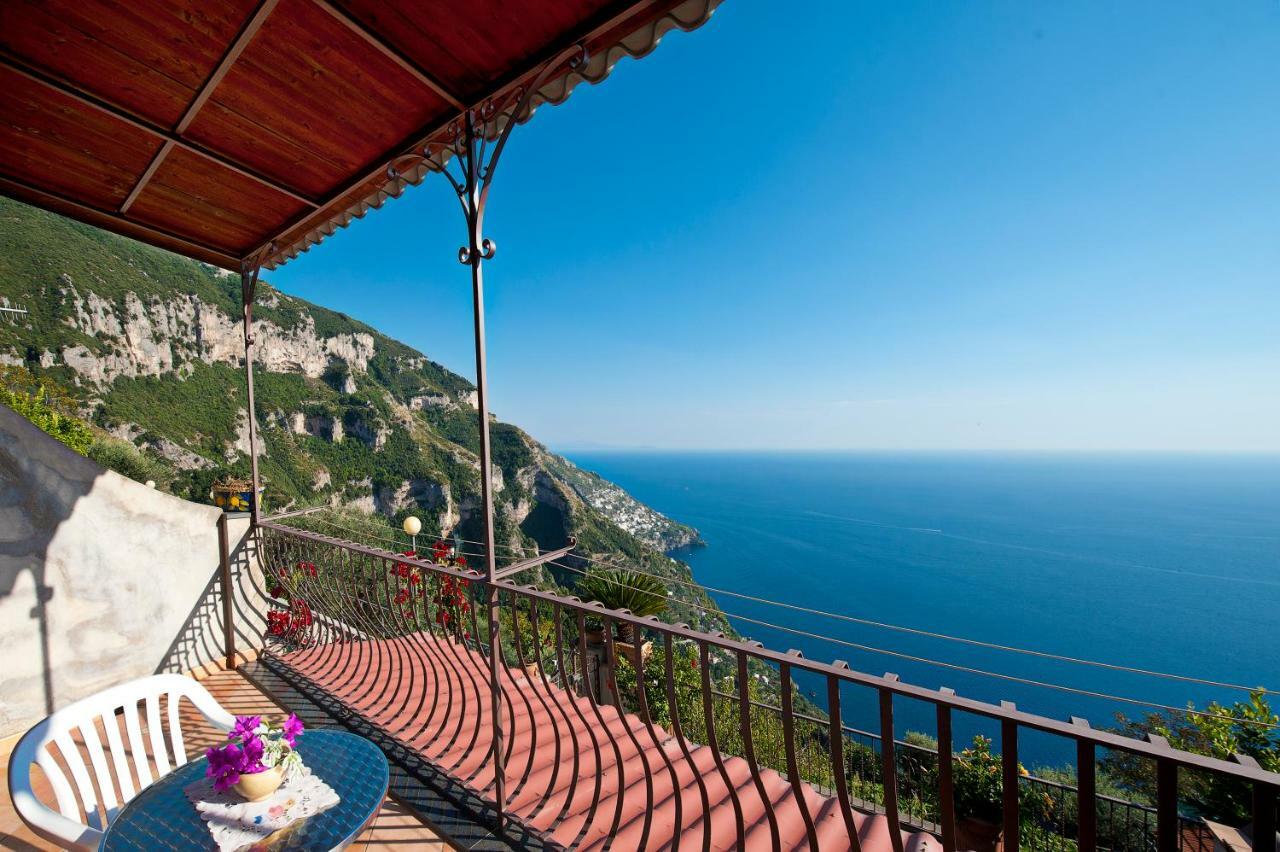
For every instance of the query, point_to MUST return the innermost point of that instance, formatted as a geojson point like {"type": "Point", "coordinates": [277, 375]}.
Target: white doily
{"type": "Point", "coordinates": [236, 824]}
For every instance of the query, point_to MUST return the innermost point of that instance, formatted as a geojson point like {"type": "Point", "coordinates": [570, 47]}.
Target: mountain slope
{"type": "Point", "coordinates": [148, 344]}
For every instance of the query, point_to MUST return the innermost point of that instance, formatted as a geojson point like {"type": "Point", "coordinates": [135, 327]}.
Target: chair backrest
{"type": "Point", "coordinates": [74, 731]}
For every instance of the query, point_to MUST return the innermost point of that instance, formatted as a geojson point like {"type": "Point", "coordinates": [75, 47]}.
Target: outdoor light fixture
{"type": "Point", "coordinates": [412, 526]}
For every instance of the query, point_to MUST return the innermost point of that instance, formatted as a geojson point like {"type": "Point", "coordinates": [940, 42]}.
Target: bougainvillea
{"type": "Point", "coordinates": [254, 747]}
{"type": "Point", "coordinates": [446, 601]}
{"type": "Point", "coordinates": [293, 620]}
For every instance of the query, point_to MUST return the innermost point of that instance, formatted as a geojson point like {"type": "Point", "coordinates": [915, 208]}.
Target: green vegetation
{"type": "Point", "coordinates": [621, 588]}
{"type": "Point", "coordinates": [125, 459]}
{"type": "Point", "coordinates": [1244, 727]}
{"type": "Point", "coordinates": [46, 405]}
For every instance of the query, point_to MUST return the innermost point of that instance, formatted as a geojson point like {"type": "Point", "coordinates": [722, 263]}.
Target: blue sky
{"type": "Point", "coordinates": [874, 225]}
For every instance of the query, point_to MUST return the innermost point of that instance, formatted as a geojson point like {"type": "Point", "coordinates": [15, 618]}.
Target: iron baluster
{"type": "Point", "coordinates": [1086, 794]}
{"type": "Point", "coordinates": [1011, 779]}
{"type": "Point", "coordinates": [835, 732]}
{"type": "Point", "coordinates": [789, 742]}
{"type": "Point", "coordinates": [946, 783]}
{"type": "Point", "coordinates": [889, 765]}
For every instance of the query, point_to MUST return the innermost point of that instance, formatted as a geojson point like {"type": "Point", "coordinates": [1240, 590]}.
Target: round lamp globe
{"type": "Point", "coordinates": [412, 526]}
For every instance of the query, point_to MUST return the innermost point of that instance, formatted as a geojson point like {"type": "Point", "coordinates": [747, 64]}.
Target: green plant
{"type": "Point", "coordinates": [1033, 836]}
{"type": "Point", "coordinates": [686, 683]}
{"type": "Point", "coordinates": [46, 405]}
{"type": "Point", "coordinates": [125, 459]}
{"type": "Point", "coordinates": [1245, 727]}
{"type": "Point", "coordinates": [978, 784]}
{"type": "Point", "coordinates": [621, 588]}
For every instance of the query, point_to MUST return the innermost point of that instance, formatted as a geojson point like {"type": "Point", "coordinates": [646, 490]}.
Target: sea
{"type": "Point", "coordinates": [1167, 563]}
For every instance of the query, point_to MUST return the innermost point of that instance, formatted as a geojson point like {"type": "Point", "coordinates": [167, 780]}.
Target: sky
{"type": "Point", "coordinates": [890, 225]}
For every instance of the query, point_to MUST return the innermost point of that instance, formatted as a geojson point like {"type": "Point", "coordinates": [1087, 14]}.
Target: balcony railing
{"type": "Point", "coordinates": [667, 737]}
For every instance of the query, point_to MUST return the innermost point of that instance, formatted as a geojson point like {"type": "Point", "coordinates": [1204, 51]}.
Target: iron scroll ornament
{"type": "Point", "coordinates": [470, 136]}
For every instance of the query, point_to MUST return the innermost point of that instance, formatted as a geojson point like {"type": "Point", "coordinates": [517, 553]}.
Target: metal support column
{"type": "Point", "coordinates": [471, 136]}
{"type": "Point", "coordinates": [227, 588]}
{"type": "Point", "coordinates": [248, 287]}
{"type": "Point", "coordinates": [477, 249]}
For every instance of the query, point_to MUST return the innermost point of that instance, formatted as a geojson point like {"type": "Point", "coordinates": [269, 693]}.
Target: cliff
{"type": "Point", "coordinates": [148, 345]}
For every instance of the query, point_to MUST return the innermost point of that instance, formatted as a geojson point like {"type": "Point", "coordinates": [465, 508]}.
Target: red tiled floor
{"type": "Point", "coordinates": [578, 772]}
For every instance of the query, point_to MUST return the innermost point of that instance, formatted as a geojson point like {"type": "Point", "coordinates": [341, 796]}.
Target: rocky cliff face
{"type": "Point", "coordinates": [150, 344]}
{"type": "Point", "coordinates": [165, 334]}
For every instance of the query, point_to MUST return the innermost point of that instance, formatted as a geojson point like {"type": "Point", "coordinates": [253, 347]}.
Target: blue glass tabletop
{"type": "Point", "coordinates": [161, 817]}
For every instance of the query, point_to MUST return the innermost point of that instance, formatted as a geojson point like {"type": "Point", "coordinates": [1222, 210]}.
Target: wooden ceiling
{"type": "Point", "coordinates": [222, 129]}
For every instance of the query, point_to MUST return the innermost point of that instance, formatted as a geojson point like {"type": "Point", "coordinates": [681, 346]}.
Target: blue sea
{"type": "Point", "coordinates": [1161, 562]}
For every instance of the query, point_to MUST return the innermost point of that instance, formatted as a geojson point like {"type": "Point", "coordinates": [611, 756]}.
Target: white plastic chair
{"type": "Point", "coordinates": [64, 826]}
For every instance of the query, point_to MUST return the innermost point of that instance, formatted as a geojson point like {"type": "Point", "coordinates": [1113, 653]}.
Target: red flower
{"type": "Point", "coordinates": [402, 596]}
{"type": "Point", "coordinates": [277, 591]}
{"type": "Point", "coordinates": [415, 578]}
{"type": "Point", "coordinates": [277, 622]}
{"type": "Point", "coordinates": [460, 562]}
{"type": "Point", "coordinates": [301, 614]}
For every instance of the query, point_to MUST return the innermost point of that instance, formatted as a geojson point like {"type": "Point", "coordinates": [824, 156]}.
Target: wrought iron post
{"type": "Point", "coordinates": [471, 136]}
{"type": "Point", "coordinates": [477, 250]}
{"type": "Point", "coordinates": [248, 287]}
{"type": "Point", "coordinates": [227, 586]}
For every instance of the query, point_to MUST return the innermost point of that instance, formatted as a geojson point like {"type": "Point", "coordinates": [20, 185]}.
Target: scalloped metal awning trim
{"type": "Point", "coordinates": [687, 16]}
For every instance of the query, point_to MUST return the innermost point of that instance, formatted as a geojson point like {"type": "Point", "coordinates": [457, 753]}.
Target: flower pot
{"type": "Point", "coordinates": [627, 651]}
{"type": "Point", "coordinates": [259, 785]}
{"type": "Point", "coordinates": [980, 835]}
{"type": "Point", "coordinates": [236, 496]}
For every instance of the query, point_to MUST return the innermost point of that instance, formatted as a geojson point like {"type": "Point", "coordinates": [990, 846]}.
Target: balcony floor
{"type": "Point", "coordinates": [396, 826]}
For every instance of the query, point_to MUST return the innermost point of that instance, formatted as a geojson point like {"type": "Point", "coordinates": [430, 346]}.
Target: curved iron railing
{"type": "Point", "coordinates": [594, 726]}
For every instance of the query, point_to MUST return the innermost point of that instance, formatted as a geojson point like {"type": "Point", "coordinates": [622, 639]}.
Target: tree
{"type": "Point", "coordinates": [1245, 727]}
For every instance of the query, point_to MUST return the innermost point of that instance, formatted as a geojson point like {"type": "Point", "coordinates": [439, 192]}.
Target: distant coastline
{"type": "Point", "coordinates": [1084, 554]}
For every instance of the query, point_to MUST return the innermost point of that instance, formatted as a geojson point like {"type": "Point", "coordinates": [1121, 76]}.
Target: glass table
{"type": "Point", "coordinates": [161, 816]}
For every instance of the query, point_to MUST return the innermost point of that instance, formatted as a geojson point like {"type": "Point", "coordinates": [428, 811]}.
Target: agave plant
{"type": "Point", "coordinates": [642, 594]}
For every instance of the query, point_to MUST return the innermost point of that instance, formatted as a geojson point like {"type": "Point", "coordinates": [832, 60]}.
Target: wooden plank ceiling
{"type": "Point", "coordinates": [217, 128]}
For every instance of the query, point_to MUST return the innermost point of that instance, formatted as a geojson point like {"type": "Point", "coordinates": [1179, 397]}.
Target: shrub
{"type": "Point", "coordinates": [45, 405]}
{"type": "Point", "coordinates": [127, 460]}
{"type": "Point", "coordinates": [1245, 727]}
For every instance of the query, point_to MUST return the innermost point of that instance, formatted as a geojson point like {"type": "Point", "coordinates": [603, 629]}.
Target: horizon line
{"type": "Point", "coordinates": [646, 448]}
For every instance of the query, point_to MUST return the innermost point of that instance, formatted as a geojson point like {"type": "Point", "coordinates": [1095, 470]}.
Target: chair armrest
{"type": "Point", "coordinates": [51, 825]}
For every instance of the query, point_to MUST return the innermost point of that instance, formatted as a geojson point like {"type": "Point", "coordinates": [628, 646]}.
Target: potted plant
{"type": "Point", "coordinates": [257, 757]}
{"type": "Point", "coordinates": [235, 495]}
{"type": "Point", "coordinates": [979, 788]}
{"type": "Point", "coordinates": [642, 594]}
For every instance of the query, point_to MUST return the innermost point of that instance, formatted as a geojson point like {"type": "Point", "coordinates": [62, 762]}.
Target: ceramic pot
{"type": "Point", "coordinates": [259, 785]}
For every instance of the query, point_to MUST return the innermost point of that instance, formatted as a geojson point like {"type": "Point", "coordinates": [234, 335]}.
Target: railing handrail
{"type": "Point", "coordinates": [1077, 730]}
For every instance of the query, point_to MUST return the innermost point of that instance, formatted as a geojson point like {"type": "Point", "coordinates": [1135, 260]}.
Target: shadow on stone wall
{"type": "Point", "coordinates": [202, 640]}
{"type": "Point", "coordinates": [103, 580]}
{"type": "Point", "coordinates": [41, 481]}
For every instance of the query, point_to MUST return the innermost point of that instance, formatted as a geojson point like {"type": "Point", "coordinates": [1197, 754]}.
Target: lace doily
{"type": "Point", "coordinates": [236, 824]}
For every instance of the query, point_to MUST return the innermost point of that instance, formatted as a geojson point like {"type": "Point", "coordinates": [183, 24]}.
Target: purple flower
{"type": "Point", "coordinates": [293, 729]}
{"type": "Point", "coordinates": [244, 727]}
{"type": "Point", "coordinates": [224, 766]}
{"type": "Point", "coordinates": [251, 756]}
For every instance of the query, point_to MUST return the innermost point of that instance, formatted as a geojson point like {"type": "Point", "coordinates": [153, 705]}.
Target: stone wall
{"type": "Point", "coordinates": [101, 579]}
